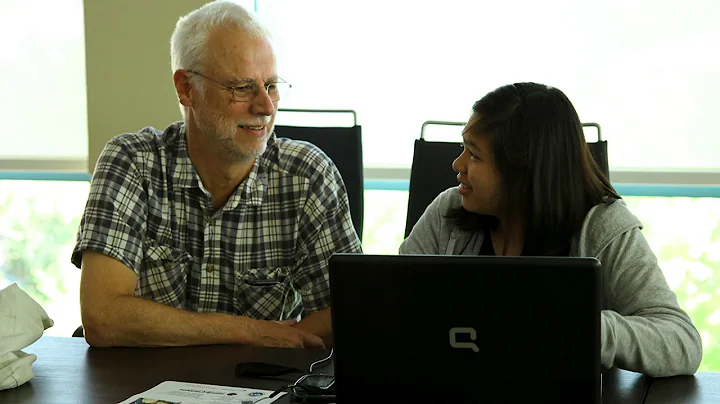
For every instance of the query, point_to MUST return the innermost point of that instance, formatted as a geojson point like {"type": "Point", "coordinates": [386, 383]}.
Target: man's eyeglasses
{"type": "Point", "coordinates": [248, 89]}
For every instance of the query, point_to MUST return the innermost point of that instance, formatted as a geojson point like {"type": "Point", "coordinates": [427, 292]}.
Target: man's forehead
{"type": "Point", "coordinates": [237, 55]}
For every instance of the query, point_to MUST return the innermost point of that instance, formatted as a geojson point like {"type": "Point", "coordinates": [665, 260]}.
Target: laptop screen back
{"type": "Point", "coordinates": [465, 329]}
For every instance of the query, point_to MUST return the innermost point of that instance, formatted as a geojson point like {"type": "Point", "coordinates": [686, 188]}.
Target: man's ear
{"type": "Point", "coordinates": [182, 87]}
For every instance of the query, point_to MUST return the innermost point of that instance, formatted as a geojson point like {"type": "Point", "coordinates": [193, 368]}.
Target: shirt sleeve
{"type": "Point", "coordinates": [114, 219]}
{"type": "Point", "coordinates": [644, 329]}
{"type": "Point", "coordinates": [326, 228]}
{"type": "Point", "coordinates": [425, 235]}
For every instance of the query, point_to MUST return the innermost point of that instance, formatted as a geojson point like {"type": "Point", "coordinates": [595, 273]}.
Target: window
{"type": "Point", "coordinates": [38, 225]}
{"type": "Point", "coordinates": [647, 72]}
{"type": "Point", "coordinates": [39, 220]}
{"type": "Point", "coordinates": [43, 81]}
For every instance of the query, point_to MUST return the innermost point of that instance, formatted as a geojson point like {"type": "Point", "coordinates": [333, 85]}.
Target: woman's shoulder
{"type": "Point", "coordinates": [611, 213]}
{"type": "Point", "coordinates": [605, 222]}
{"type": "Point", "coordinates": [448, 200]}
{"type": "Point", "coordinates": [433, 231]}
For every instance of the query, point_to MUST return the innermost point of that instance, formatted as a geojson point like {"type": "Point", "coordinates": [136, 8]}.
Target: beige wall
{"type": "Point", "coordinates": [129, 82]}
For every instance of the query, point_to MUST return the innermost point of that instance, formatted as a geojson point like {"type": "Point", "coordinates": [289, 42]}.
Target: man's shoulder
{"type": "Point", "coordinates": [144, 153]}
{"type": "Point", "coordinates": [146, 140]}
{"type": "Point", "coordinates": [303, 159]}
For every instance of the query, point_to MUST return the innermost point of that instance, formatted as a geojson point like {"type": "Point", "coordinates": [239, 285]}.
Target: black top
{"type": "Point", "coordinates": [487, 245]}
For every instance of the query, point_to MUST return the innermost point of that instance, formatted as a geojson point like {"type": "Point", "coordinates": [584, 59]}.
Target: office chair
{"type": "Point", "coordinates": [432, 171]}
{"type": "Point", "coordinates": [599, 150]}
{"type": "Point", "coordinates": [344, 147]}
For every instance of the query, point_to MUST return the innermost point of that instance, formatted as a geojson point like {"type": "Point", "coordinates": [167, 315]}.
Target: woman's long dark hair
{"type": "Point", "coordinates": [547, 175]}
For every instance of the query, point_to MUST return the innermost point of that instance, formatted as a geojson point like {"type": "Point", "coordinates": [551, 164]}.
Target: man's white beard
{"type": "Point", "coordinates": [222, 132]}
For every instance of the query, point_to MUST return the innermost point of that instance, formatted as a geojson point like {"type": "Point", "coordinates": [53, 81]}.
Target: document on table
{"type": "Point", "coordinates": [193, 393]}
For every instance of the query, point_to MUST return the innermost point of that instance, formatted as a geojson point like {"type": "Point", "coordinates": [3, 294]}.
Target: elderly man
{"type": "Point", "coordinates": [213, 230]}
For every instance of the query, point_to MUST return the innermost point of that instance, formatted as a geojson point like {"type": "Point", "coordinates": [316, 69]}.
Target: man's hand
{"type": "Point", "coordinates": [282, 334]}
{"type": "Point", "coordinates": [318, 323]}
{"type": "Point", "coordinates": [287, 322]}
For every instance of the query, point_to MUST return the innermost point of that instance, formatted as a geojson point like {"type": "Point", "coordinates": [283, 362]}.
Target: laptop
{"type": "Point", "coordinates": [465, 329]}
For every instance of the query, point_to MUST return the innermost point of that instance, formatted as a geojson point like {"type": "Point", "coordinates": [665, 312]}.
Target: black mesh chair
{"type": "Point", "coordinates": [599, 150]}
{"type": "Point", "coordinates": [344, 147]}
{"type": "Point", "coordinates": [432, 171]}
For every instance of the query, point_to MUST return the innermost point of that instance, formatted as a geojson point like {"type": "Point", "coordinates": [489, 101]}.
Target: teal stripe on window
{"type": "Point", "coordinates": [387, 185]}
{"type": "Point", "coordinates": [691, 191]}
{"type": "Point", "coordinates": [43, 176]}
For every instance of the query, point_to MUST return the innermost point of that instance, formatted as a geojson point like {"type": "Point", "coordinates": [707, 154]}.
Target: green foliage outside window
{"type": "Point", "coordinates": [38, 222]}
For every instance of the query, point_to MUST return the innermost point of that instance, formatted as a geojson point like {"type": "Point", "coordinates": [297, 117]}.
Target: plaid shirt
{"type": "Point", "coordinates": [262, 255]}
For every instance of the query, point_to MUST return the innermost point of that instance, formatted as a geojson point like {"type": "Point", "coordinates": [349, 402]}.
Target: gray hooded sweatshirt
{"type": "Point", "coordinates": [643, 329]}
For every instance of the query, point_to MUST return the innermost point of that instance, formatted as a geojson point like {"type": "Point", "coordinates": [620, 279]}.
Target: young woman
{"type": "Point", "coordinates": [529, 186]}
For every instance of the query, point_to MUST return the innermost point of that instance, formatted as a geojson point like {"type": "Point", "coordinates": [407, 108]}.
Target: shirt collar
{"type": "Point", "coordinates": [182, 172]}
{"type": "Point", "coordinates": [251, 191]}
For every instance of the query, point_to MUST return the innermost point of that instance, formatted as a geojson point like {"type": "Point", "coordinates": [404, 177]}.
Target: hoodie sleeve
{"type": "Point", "coordinates": [643, 328]}
{"type": "Point", "coordinates": [433, 232]}
{"type": "Point", "coordinates": [424, 237]}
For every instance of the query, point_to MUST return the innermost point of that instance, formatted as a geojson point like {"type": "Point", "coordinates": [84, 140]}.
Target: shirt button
{"type": "Point", "coordinates": [210, 268]}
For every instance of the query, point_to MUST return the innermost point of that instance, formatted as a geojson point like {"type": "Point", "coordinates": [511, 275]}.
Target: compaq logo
{"type": "Point", "coordinates": [455, 331]}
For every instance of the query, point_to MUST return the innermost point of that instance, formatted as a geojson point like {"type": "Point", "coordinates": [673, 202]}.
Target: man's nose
{"type": "Point", "coordinates": [262, 104]}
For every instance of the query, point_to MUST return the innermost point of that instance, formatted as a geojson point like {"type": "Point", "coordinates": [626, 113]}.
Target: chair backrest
{"type": "Point", "coordinates": [432, 171]}
{"type": "Point", "coordinates": [599, 150]}
{"type": "Point", "coordinates": [344, 147]}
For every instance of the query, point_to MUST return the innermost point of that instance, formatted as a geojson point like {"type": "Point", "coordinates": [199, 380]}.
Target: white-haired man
{"type": "Point", "coordinates": [213, 230]}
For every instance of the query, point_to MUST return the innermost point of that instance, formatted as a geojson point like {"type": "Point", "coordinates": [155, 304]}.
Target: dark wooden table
{"type": "Point", "coordinates": [703, 388]}
{"type": "Point", "coordinates": [623, 387]}
{"type": "Point", "coordinates": [69, 371]}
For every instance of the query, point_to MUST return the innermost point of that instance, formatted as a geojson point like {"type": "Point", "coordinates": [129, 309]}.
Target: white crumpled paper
{"type": "Point", "coordinates": [22, 322]}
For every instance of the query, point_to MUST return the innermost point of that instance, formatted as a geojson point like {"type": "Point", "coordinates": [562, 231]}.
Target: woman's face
{"type": "Point", "coordinates": [479, 180]}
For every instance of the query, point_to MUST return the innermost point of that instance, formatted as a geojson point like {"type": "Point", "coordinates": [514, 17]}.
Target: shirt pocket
{"type": "Point", "coordinates": [164, 276]}
{"type": "Point", "coordinates": [267, 294]}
